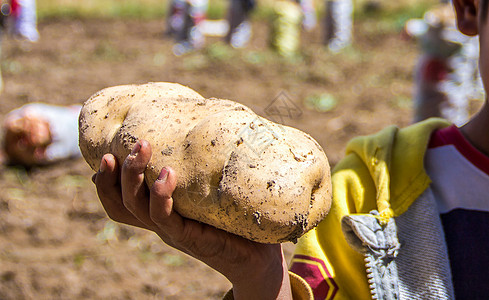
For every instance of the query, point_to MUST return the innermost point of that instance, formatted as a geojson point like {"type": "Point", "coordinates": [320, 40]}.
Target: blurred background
{"type": "Point", "coordinates": [55, 239]}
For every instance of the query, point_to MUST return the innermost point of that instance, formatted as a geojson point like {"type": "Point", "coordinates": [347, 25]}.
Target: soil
{"type": "Point", "coordinates": [56, 241]}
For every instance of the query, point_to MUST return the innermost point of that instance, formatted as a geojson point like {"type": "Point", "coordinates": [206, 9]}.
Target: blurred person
{"type": "Point", "coordinates": [19, 19]}
{"type": "Point", "coordinates": [338, 22]}
{"type": "Point", "coordinates": [24, 20]}
{"type": "Point", "coordinates": [447, 76]}
{"type": "Point", "coordinates": [408, 219]}
{"type": "Point", "coordinates": [238, 18]}
{"type": "Point", "coordinates": [175, 17]}
{"type": "Point", "coordinates": [309, 20]}
{"type": "Point", "coordinates": [184, 21]}
{"type": "Point", "coordinates": [286, 28]}
{"type": "Point", "coordinates": [40, 134]}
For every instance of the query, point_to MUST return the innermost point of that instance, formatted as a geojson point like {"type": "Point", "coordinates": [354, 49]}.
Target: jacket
{"type": "Point", "coordinates": [383, 237]}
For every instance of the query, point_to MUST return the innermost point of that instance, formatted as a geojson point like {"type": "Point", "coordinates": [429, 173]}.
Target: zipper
{"type": "Point", "coordinates": [371, 281]}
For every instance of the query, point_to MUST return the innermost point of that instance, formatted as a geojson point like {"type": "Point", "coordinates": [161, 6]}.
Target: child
{"type": "Point", "coordinates": [408, 221]}
{"type": "Point", "coordinates": [39, 134]}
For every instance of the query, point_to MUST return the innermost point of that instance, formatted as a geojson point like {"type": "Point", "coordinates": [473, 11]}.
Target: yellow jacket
{"type": "Point", "coordinates": [383, 173]}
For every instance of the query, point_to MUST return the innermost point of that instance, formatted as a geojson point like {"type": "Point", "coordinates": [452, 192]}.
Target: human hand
{"type": "Point", "coordinates": [257, 271]}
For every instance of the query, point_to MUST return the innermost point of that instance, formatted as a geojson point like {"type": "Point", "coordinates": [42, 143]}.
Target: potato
{"type": "Point", "coordinates": [235, 170]}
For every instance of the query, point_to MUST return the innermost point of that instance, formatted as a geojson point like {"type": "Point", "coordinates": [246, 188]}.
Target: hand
{"type": "Point", "coordinates": [257, 271]}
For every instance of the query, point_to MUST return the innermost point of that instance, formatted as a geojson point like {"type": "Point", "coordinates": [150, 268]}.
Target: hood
{"type": "Point", "coordinates": [394, 159]}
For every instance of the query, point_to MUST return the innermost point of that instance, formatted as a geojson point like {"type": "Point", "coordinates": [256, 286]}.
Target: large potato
{"type": "Point", "coordinates": [236, 171]}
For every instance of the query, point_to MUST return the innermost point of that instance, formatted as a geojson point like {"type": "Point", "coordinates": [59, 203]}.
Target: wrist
{"type": "Point", "coordinates": [268, 281]}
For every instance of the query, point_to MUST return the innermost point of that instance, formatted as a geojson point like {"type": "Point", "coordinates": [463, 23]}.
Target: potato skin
{"type": "Point", "coordinates": [235, 170]}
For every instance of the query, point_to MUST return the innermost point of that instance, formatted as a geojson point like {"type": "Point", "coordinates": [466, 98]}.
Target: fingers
{"type": "Point", "coordinates": [194, 238]}
{"type": "Point", "coordinates": [134, 190]}
{"type": "Point", "coordinates": [109, 192]}
{"type": "Point", "coordinates": [161, 204]}
{"type": "Point", "coordinates": [106, 179]}
{"type": "Point", "coordinates": [126, 200]}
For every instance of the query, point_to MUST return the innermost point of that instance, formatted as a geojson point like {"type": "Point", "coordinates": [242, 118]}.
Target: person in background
{"type": "Point", "coordinates": [18, 18]}
{"type": "Point", "coordinates": [24, 20]}
{"type": "Point", "coordinates": [286, 28]}
{"type": "Point", "coordinates": [338, 23]}
{"type": "Point", "coordinates": [175, 17]}
{"type": "Point", "coordinates": [184, 20]}
{"type": "Point", "coordinates": [408, 220]}
{"type": "Point", "coordinates": [447, 75]}
{"type": "Point", "coordinates": [238, 17]}
{"type": "Point", "coordinates": [309, 20]}
{"type": "Point", "coordinates": [39, 134]}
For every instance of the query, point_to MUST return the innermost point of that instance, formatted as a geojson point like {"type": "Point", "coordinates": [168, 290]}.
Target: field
{"type": "Point", "coordinates": [55, 239]}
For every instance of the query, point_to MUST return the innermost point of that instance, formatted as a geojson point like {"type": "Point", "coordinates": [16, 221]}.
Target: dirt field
{"type": "Point", "coordinates": [55, 239]}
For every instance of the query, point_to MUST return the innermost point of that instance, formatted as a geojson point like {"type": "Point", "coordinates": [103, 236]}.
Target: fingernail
{"type": "Point", "coordinates": [136, 148]}
{"type": "Point", "coordinates": [103, 165]}
{"type": "Point", "coordinates": [163, 175]}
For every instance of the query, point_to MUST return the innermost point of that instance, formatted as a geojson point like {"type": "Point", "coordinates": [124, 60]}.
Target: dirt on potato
{"type": "Point", "coordinates": [56, 241]}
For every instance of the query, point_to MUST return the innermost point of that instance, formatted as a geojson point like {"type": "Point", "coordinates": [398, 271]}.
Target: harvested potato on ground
{"type": "Point", "coordinates": [235, 170]}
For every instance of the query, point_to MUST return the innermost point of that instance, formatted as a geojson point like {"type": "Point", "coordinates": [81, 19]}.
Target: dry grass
{"type": "Point", "coordinates": [151, 9]}
{"type": "Point", "coordinates": [145, 9]}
